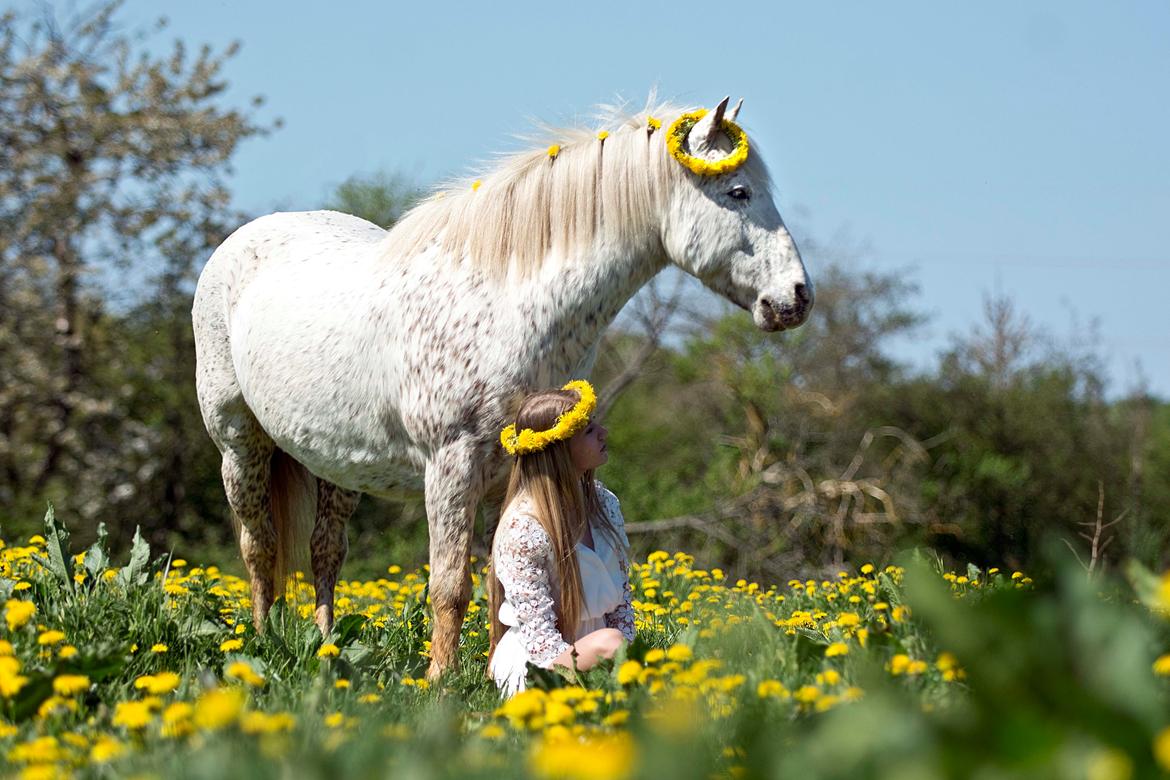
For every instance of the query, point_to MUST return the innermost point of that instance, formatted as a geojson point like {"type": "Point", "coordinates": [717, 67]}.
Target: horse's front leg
{"type": "Point", "coordinates": [452, 492]}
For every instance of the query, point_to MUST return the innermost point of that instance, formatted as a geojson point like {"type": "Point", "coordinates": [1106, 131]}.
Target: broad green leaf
{"type": "Point", "coordinates": [60, 561]}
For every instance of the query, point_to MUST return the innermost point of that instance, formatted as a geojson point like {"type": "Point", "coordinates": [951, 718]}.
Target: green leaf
{"type": "Point", "coordinates": [135, 572]}
{"type": "Point", "coordinates": [96, 559]}
{"type": "Point", "coordinates": [347, 629]}
{"type": "Point", "coordinates": [60, 561]}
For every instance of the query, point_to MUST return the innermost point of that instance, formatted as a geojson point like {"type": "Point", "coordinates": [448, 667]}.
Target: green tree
{"type": "Point", "coordinates": [381, 198]}
{"type": "Point", "coordinates": [112, 188]}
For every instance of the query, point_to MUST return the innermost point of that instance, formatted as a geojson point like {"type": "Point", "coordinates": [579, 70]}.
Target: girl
{"type": "Point", "coordinates": [558, 587]}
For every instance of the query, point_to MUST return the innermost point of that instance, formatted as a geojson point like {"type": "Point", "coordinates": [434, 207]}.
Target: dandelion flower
{"type": "Point", "coordinates": [836, 649]}
{"type": "Point", "coordinates": [771, 689]}
{"type": "Point", "coordinates": [133, 715]}
{"type": "Point", "coordinates": [218, 708]}
{"type": "Point", "coordinates": [328, 650]}
{"type": "Point", "coordinates": [158, 648]}
{"type": "Point", "coordinates": [105, 749]}
{"type": "Point", "coordinates": [158, 684]}
{"type": "Point", "coordinates": [52, 637]}
{"type": "Point", "coordinates": [1162, 666]}
{"type": "Point", "coordinates": [70, 684]}
{"type": "Point", "coordinates": [230, 645]}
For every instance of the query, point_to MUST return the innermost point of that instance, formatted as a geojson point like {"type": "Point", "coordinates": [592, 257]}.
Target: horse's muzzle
{"type": "Point", "coordinates": [771, 313]}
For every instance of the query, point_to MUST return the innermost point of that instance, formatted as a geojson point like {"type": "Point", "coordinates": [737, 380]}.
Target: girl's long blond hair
{"type": "Point", "coordinates": [562, 501]}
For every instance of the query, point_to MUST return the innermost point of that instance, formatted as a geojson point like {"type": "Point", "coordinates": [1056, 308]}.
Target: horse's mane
{"type": "Point", "coordinates": [514, 215]}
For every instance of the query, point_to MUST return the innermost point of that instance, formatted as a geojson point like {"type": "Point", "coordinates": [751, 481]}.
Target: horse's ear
{"type": "Point", "coordinates": [706, 130]}
{"type": "Point", "coordinates": [735, 111]}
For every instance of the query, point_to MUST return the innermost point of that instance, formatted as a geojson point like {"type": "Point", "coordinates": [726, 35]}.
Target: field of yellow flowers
{"type": "Point", "coordinates": [153, 669]}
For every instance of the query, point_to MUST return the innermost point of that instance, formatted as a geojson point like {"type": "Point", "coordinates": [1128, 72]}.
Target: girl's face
{"type": "Point", "coordinates": [587, 447]}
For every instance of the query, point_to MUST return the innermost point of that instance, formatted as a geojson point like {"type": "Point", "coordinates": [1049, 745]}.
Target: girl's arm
{"type": "Point", "coordinates": [523, 559]}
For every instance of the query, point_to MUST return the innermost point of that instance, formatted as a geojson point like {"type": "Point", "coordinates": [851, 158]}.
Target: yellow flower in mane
{"type": "Point", "coordinates": [553, 151]}
{"type": "Point", "coordinates": [652, 124]}
{"type": "Point", "coordinates": [602, 135]}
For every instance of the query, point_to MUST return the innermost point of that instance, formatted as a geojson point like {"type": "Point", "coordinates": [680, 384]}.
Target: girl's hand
{"type": "Point", "coordinates": [591, 648]}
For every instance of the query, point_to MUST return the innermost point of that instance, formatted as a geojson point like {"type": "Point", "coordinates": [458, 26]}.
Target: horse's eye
{"type": "Point", "coordinates": [739, 192]}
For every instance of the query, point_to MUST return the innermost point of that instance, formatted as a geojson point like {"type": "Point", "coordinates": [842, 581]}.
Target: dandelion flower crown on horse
{"type": "Point", "coordinates": [527, 441]}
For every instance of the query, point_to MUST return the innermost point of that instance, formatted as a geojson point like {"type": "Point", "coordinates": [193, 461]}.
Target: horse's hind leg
{"type": "Point", "coordinates": [329, 545]}
{"type": "Point", "coordinates": [246, 472]}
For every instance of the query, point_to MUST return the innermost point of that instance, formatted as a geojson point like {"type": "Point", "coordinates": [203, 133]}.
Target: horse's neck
{"type": "Point", "coordinates": [571, 303]}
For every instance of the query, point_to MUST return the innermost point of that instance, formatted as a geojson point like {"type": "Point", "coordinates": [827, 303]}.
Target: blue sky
{"type": "Point", "coordinates": [1018, 147]}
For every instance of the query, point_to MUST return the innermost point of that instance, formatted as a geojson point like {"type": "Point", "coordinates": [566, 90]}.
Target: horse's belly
{"type": "Point", "coordinates": [314, 368]}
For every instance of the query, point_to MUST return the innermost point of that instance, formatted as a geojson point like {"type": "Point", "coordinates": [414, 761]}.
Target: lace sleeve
{"type": "Point", "coordinates": [622, 617]}
{"type": "Point", "coordinates": [522, 563]}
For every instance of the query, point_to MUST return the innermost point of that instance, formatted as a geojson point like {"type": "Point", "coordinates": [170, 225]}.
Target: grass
{"type": "Point", "coordinates": [153, 668]}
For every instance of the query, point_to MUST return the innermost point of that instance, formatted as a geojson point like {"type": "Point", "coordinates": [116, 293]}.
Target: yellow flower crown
{"type": "Point", "coordinates": [567, 425]}
{"type": "Point", "coordinates": [678, 134]}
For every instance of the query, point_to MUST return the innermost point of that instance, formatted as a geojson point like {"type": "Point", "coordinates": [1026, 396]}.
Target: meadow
{"type": "Point", "coordinates": [153, 668]}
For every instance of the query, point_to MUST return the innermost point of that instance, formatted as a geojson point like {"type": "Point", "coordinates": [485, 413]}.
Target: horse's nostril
{"type": "Point", "coordinates": [766, 302]}
{"type": "Point", "coordinates": [802, 293]}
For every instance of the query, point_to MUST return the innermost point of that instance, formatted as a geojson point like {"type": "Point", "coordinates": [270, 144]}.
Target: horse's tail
{"type": "Point", "coordinates": [293, 492]}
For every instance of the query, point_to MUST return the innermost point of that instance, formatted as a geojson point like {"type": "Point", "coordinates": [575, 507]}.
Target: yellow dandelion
{"type": "Point", "coordinates": [133, 715]}
{"type": "Point", "coordinates": [66, 652]}
{"type": "Point", "coordinates": [602, 135]}
{"type": "Point", "coordinates": [231, 645]}
{"type": "Point", "coordinates": [836, 649]}
{"type": "Point", "coordinates": [899, 664]}
{"type": "Point", "coordinates": [243, 671]}
{"type": "Point", "coordinates": [158, 648]}
{"type": "Point", "coordinates": [158, 684]}
{"type": "Point", "coordinates": [106, 749]}
{"type": "Point", "coordinates": [328, 650]}
{"type": "Point", "coordinates": [629, 672]}
{"type": "Point", "coordinates": [476, 184]}
{"type": "Point", "coordinates": [1162, 666]}
{"type": "Point", "coordinates": [807, 694]}
{"type": "Point", "coordinates": [52, 637]}
{"type": "Point", "coordinates": [771, 689]}
{"type": "Point", "coordinates": [680, 653]}
{"type": "Point", "coordinates": [70, 684]}
{"type": "Point", "coordinates": [602, 756]}
{"type": "Point", "coordinates": [616, 718]}
{"type": "Point", "coordinates": [1162, 749]}
{"type": "Point", "coordinates": [341, 684]}
{"type": "Point", "coordinates": [653, 124]}
{"type": "Point", "coordinates": [553, 151]}
{"type": "Point", "coordinates": [218, 708]}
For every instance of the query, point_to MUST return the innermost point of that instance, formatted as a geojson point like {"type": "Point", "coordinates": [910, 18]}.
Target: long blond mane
{"type": "Point", "coordinates": [532, 206]}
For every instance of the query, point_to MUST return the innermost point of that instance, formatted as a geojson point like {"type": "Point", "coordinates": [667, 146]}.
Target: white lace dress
{"type": "Point", "coordinates": [521, 555]}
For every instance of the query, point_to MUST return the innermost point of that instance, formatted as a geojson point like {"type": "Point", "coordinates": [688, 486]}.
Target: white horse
{"type": "Point", "coordinates": [336, 358]}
